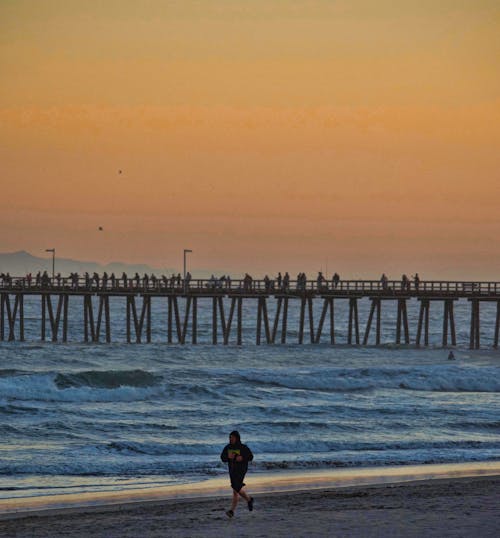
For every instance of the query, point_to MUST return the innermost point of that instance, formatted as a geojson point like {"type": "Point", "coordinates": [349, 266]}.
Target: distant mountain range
{"type": "Point", "coordinates": [22, 262]}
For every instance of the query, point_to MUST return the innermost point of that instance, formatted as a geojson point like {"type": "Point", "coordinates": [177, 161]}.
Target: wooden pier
{"type": "Point", "coordinates": [181, 304]}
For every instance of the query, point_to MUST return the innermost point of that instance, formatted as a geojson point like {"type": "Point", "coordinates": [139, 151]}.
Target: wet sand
{"type": "Point", "coordinates": [439, 507]}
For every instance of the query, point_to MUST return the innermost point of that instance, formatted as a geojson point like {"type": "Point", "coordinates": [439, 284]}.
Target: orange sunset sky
{"type": "Point", "coordinates": [263, 135]}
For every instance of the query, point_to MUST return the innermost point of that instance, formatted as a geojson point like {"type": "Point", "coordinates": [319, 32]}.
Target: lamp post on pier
{"type": "Point", "coordinates": [186, 251]}
{"type": "Point", "coordinates": [53, 250]}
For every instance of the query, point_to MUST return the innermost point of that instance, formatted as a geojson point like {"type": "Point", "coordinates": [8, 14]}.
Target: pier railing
{"type": "Point", "coordinates": [226, 285]}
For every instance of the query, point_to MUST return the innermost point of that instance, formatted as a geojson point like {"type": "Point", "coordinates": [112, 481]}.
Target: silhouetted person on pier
{"type": "Point", "coordinates": [145, 281]}
{"type": "Point", "coordinates": [237, 455]}
{"type": "Point", "coordinates": [320, 281]}
{"type": "Point", "coordinates": [335, 280]}
{"type": "Point", "coordinates": [187, 281]}
{"type": "Point", "coordinates": [247, 282]}
{"type": "Point", "coordinates": [405, 283]}
{"type": "Point", "coordinates": [267, 283]}
{"type": "Point", "coordinates": [105, 278]}
{"type": "Point", "coordinates": [179, 279]}
{"type": "Point", "coordinates": [416, 280]}
{"type": "Point", "coordinates": [28, 279]}
{"type": "Point", "coordinates": [45, 280]}
{"type": "Point", "coordinates": [125, 280]}
{"type": "Point", "coordinates": [279, 280]}
{"type": "Point", "coordinates": [112, 279]}
{"type": "Point", "coordinates": [137, 279]}
{"type": "Point", "coordinates": [384, 280]}
{"type": "Point", "coordinates": [286, 282]}
{"type": "Point", "coordinates": [38, 279]}
{"type": "Point", "coordinates": [87, 281]}
{"type": "Point", "coordinates": [154, 280]}
{"type": "Point", "coordinates": [301, 281]}
{"type": "Point", "coordinates": [96, 279]}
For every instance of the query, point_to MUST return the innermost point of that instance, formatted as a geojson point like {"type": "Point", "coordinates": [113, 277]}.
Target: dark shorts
{"type": "Point", "coordinates": [237, 480]}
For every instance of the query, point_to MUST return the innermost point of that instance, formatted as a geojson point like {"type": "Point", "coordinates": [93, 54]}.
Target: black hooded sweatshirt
{"type": "Point", "coordinates": [239, 449]}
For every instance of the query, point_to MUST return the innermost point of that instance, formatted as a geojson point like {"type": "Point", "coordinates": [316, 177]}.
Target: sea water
{"type": "Point", "coordinates": [96, 417]}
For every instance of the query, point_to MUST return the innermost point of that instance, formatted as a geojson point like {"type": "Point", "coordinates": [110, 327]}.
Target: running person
{"type": "Point", "coordinates": [237, 455]}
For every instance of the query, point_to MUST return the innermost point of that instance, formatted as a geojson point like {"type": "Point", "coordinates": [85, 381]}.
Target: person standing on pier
{"type": "Point", "coordinates": [286, 282]}
{"type": "Point", "coordinates": [416, 280]}
{"type": "Point", "coordinates": [405, 283]}
{"type": "Point", "coordinates": [320, 281]}
{"type": "Point", "coordinates": [384, 280]}
{"type": "Point", "coordinates": [267, 283]}
{"type": "Point", "coordinates": [237, 455]}
{"type": "Point", "coordinates": [187, 281]}
{"type": "Point", "coordinates": [335, 280]}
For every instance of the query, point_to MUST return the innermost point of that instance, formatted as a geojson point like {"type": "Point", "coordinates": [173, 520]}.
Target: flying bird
{"type": "Point", "coordinates": [101, 228]}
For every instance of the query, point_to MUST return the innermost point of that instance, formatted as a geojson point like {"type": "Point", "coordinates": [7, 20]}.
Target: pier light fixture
{"type": "Point", "coordinates": [53, 250]}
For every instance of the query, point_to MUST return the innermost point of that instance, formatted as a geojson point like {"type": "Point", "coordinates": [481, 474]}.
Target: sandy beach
{"type": "Point", "coordinates": [443, 507]}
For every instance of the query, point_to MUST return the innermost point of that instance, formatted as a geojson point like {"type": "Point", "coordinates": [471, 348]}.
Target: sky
{"type": "Point", "coordinates": [353, 136]}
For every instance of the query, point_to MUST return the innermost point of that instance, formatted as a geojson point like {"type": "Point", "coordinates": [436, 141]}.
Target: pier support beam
{"type": "Point", "coordinates": [375, 308]}
{"type": "Point", "coordinates": [475, 326]}
{"type": "Point", "coordinates": [327, 306]}
{"type": "Point", "coordinates": [10, 315]}
{"type": "Point", "coordinates": [227, 330]}
{"type": "Point", "coordinates": [239, 340]}
{"type": "Point", "coordinates": [88, 319]}
{"type": "Point", "coordinates": [276, 319]}
{"type": "Point", "coordinates": [497, 326]}
{"type": "Point", "coordinates": [214, 320]}
{"type": "Point", "coordinates": [138, 320]}
{"type": "Point", "coordinates": [353, 321]}
{"type": "Point", "coordinates": [55, 317]}
{"type": "Point", "coordinates": [303, 302]}
{"type": "Point", "coordinates": [423, 322]}
{"type": "Point", "coordinates": [449, 322]}
{"type": "Point", "coordinates": [402, 322]}
{"type": "Point", "coordinates": [186, 320]}
{"type": "Point", "coordinates": [262, 317]}
{"type": "Point", "coordinates": [194, 334]}
{"type": "Point", "coordinates": [284, 324]}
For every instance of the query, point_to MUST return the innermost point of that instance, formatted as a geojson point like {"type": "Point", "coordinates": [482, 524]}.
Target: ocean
{"type": "Point", "coordinates": [97, 417]}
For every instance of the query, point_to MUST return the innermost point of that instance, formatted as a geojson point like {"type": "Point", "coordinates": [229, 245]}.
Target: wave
{"type": "Point", "coordinates": [292, 447]}
{"type": "Point", "coordinates": [108, 379]}
{"type": "Point", "coordinates": [135, 462]}
{"type": "Point", "coordinates": [92, 386]}
{"type": "Point", "coordinates": [421, 378]}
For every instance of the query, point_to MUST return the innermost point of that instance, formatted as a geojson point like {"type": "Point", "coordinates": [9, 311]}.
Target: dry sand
{"type": "Point", "coordinates": [445, 507]}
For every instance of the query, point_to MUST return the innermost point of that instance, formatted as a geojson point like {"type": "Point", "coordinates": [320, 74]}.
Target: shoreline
{"type": "Point", "coordinates": [439, 507]}
{"type": "Point", "coordinates": [276, 483]}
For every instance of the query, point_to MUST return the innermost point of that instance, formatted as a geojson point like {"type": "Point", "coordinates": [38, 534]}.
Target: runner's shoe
{"type": "Point", "coordinates": [250, 504]}
{"type": "Point", "coordinates": [229, 513]}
